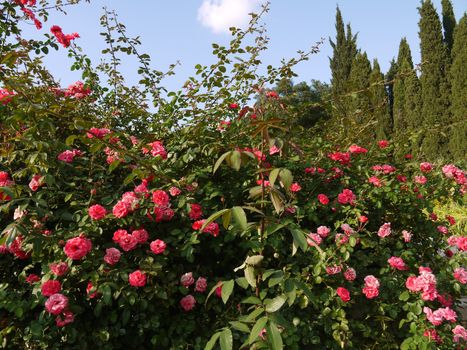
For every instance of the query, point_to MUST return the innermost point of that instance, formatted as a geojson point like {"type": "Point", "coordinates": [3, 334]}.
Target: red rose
{"type": "Point", "coordinates": [97, 212]}
{"type": "Point", "coordinates": [158, 246]}
{"type": "Point", "coordinates": [160, 198]}
{"type": "Point", "coordinates": [344, 294]}
{"type": "Point", "coordinates": [50, 287]}
{"type": "Point", "coordinates": [77, 248]}
{"type": "Point", "coordinates": [323, 199]}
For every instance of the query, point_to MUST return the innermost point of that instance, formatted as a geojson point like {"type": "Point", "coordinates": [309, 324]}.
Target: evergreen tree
{"type": "Point", "coordinates": [390, 76]}
{"type": "Point", "coordinates": [458, 75]}
{"type": "Point", "coordinates": [344, 51]}
{"type": "Point", "coordinates": [435, 89]}
{"type": "Point", "coordinates": [359, 121]}
{"type": "Point", "coordinates": [404, 68]}
{"type": "Point", "coordinates": [379, 103]}
{"type": "Point", "coordinates": [412, 109]}
{"type": "Point", "coordinates": [449, 24]}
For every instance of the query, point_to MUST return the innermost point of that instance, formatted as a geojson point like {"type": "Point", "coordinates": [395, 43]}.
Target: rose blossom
{"type": "Point", "coordinates": [118, 235]}
{"type": "Point", "coordinates": [188, 303]}
{"type": "Point", "coordinates": [442, 229]}
{"type": "Point", "coordinates": [346, 197]}
{"type": "Point", "coordinates": [333, 270]}
{"type": "Point", "coordinates": [459, 333]}
{"type": "Point", "coordinates": [66, 317]}
{"type": "Point", "coordinates": [77, 248]}
{"type": "Point", "coordinates": [97, 212]}
{"type": "Point", "coordinates": [314, 239]}
{"type": "Point", "coordinates": [323, 199]}
{"type": "Point", "coordinates": [196, 211]}
{"type": "Point", "coordinates": [121, 209]}
{"type": "Point", "coordinates": [187, 279]}
{"type": "Point", "coordinates": [59, 269]}
{"type": "Point", "coordinates": [112, 256]}
{"type": "Point", "coordinates": [350, 274]}
{"type": "Point", "coordinates": [137, 279]}
{"type": "Point", "coordinates": [323, 231]}
{"type": "Point", "coordinates": [158, 246]}
{"type": "Point", "coordinates": [36, 182]}
{"type": "Point", "coordinates": [460, 274]}
{"type": "Point", "coordinates": [56, 303]}
{"type": "Point", "coordinates": [160, 198]}
{"type": "Point", "coordinates": [397, 263]}
{"type": "Point", "coordinates": [371, 281]}
{"type": "Point", "coordinates": [370, 293]}
{"type": "Point", "coordinates": [426, 167]}
{"type": "Point", "coordinates": [32, 278]}
{"type": "Point", "coordinates": [412, 283]}
{"type": "Point", "coordinates": [384, 230]}
{"type": "Point", "coordinates": [344, 294]}
{"type": "Point", "coordinates": [140, 235]}
{"type": "Point", "coordinates": [174, 191]}
{"type": "Point", "coordinates": [212, 228]}
{"type": "Point", "coordinates": [383, 144]}
{"type": "Point", "coordinates": [407, 236]}
{"type": "Point", "coordinates": [201, 285]}
{"type": "Point", "coordinates": [357, 149]}
{"type": "Point", "coordinates": [295, 187]}
{"type": "Point", "coordinates": [127, 242]}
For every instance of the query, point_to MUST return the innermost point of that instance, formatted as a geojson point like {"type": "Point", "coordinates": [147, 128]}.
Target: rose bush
{"type": "Point", "coordinates": [211, 221]}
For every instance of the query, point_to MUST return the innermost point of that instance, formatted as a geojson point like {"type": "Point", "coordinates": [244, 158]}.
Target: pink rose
{"type": "Point", "coordinates": [59, 269]}
{"type": "Point", "coordinates": [383, 144]}
{"type": "Point", "coordinates": [36, 182]}
{"type": "Point", "coordinates": [397, 263]}
{"type": "Point", "coordinates": [426, 167]}
{"type": "Point", "coordinates": [357, 149]}
{"type": "Point", "coordinates": [127, 242]}
{"type": "Point", "coordinates": [460, 274]}
{"type": "Point", "coordinates": [344, 294]}
{"type": "Point", "coordinates": [137, 279]}
{"type": "Point", "coordinates": [350, 274]}
{"type": "Point", "coordinates": [121, 209]}
{"type": "Point", "coordinates": [140, 235]}
{"type": "Point", "coordinates": [323, 231]}
{"type": "Point", "coordinates": [66, 317]}
{"type": "Point", "coordinates": [188, 303]}
{"type": "Point", "coordinates": [201, 285]}
{"type": "Point", "coordinates": [32, 278]}
{"type": "Point", "coordinates": [346, 197]}
{"type": "Point", "coordinates": [160, 198]}
{"type": "Point", "coordinates": [187, 279]}
{"type": "Point", "coordinates": [174, 191]}
{"type": "Point", "coordinates": [195, 211]}
{"type": "Point", "coordinates": [97, 212]}
{"type": "Point", "coordinates": [56, 303]}
{"type": "Point", "coordinates": [370, 292]}
{"type": "Point", "coordinates": [77, 248]}
{"type": "Point", "coordinates": [158, 246]}
{"type": "Point", "coordinates": [371, 282]}
{"type": "Point", "coordinates": [295, 187]}
{"type": "Point", "coordinates": [112, 256]}
{"type": "Point", "coordinates": [384, 230]}
{"type": "Point", "coordinates": [459, 333]}
{"type": "Point", "coordinates": [407, 236]}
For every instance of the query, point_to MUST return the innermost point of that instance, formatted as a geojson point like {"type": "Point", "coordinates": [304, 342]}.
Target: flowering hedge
{"type": "Point", "coordinates": [229, 230]}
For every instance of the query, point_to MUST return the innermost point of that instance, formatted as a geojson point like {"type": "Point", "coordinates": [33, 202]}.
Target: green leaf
{"type": "Point", "coordinates": [226, 340]}
{"type": "Point", "coordinates": [240, 326]}
{"type": "Point", "coordinates": [275, 304]}
{"type": "Point", "coordinates": [259, 325]}
{"type": "Point", "coordinates": [213, 217]}
{"type": "Point", "coordinates": [106, 294]}
{"type": "Point", "coordinates": [251, 300]}
{"type": "Point", "coordinates": [286, 178]}
{"type": "Point", "coordinates": [235, 160]}
{"type": "Point", "coordinates": [255, 313]}
{"type": "Point", "coordinates": [242, 282]}
{"type": "Point", "coordinates": [299, 239]}
{"type": "Point", "coordinates": [273, 174]}
{"type": "Point", "coordinates": [70, 139]}
{"type": "Point", "coordinates": [404, 296]}
{"type": "Point", "coordinates": [239, 217]}
{"type": "Point", "coordinates": [276, 201]}
{"type": "Point", "coordinates": [274, 337]}
{"type": "Point", "coordinates": [227, 288]}
{"type": "Point", "coordinates": [250, 276]}
{"type": "Point", "coordinates": [226, 219]}
{"type": "Point", "coordinates": [254, 260]}
{"type": "Point", "coordinates": [219, 161]}
{"type": "Point", "coordinates": [210, 344]}
{"type": "Point", "coordinates": [275, 278]}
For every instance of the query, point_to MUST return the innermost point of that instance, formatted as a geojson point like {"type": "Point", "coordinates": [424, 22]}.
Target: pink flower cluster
{"type": "Point", "coordinates": [350, 274]}
{"type": "Point", "coordinates": [344, 294]}
{"type": "Point", "coordinates": [346, 197]}
{"type": "Point", "coordinates": [68, 156]}
{"type": "Point", "coordinates": [459, 241]}
{"type": "Point", "coordinates": [425, 282]}
{"type": "Point", "coordinates": [460, 274]}
{"type": "Point", "coordinates": [195, 212]}
{"type": "Point", "coordinates": [137, 279]}
{"type": "Point", "coordinates": [98, 133]}
{"type": "Point", "coordinates": [77, 90]}
{"type": "Point", "coordinates": [459, 333]}
{"type": "Point", "coordinates": [5, 181]}
{"type": "Point", "coordinates": [341, 157]}
{"type": "Point", "coordinates": [357, 149]}
{"type": "Point", "coordinates": [453, 172]}
{"type": "Point", "coordinates": [32, 17]}
{"type": "Point", "coordinates": [385, 168]}
{"type": "Point", "coordinates": [158, 246]}
{"type": "Point", "coordinates": [57, 304]}
{"type": "Point", "coordinates": [188, 302]}
{"type": "Point", "coordinates": [36, 182]}
{"type": "Point", "coordinates": [59, 269]}
{"type": "Point", "coordinates": [112, 256]}
{"type": "Point", "coordinates": [64, 39]}
{"type": "Point", "coordinates": [397, 263]}
{"type": "Point", "coordinates": [97, 212]}
{"type": "Point", "coordinates": [375, 181]}
{"type": "Point", "coordinates": [371, 288]}
{"type": "Point", "coordinates": [157, 149]}
{"type": "Point", "coordinates": [127, 204]}
{"type": "Point", "coordinates": [128, 241]}
{"type": "Point", "coordinates": [437, 317]}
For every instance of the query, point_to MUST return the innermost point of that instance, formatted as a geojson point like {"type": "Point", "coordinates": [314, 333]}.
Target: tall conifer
{"type": "Point", "coordinates": [379, 103]}
{"type": "Point", "coordinates": [435, 89]}
{"type": "Point", "coordinates": [449, 24]}
{"type": "Point", "coordinates": [390, 75]}
{"type": "Point", "coordinates": [458, 75]}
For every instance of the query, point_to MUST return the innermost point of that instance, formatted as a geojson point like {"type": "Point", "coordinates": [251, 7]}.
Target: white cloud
{"type": "Point", "coordinates": [220, 15]}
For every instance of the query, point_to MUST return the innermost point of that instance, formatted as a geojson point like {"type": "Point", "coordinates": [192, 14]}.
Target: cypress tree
{"type": "Point", "coordinates": [449, 24]}
{"type": "Point", "coordinates": [412, 108]}
{"type": "Point", "coordinates": [404, 68]}
{"type": "Point", "coordinates": [390, 76]}
{"type": "Point", "coordinates": [435, 89]}
{"type": "Point", "coordinates": [359, 102]}
{"type": "Point", "coordinates": [458, 75]}
{"type": "Point", "coordinates": [379, 103]}
{"type": "Point", "coordinates": [344, 50]}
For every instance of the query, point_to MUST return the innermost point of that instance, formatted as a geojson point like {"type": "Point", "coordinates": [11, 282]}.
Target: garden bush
{"type": "Point", "coordinates": [208, 220]}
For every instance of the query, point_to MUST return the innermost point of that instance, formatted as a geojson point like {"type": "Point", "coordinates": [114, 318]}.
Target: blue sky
{"type": "Point", "coordinates": [173, 31]}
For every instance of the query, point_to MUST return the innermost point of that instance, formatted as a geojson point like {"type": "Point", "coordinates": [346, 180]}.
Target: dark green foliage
{"type": "Point", "coordinates": [435, 89]}
{"type": "Point", "coordinates": [412, 109]}
{"type": "Point", "coordinates": [390, 75]}
{"type": "Point", "coordinates": [449, 24]}
{"type": "Point", "coordinates": [360, 107]}
{"type": "Point", "coordinates": [344, 51]}
{"type": "Point", "coordinates": [306, 102]}
{"type": "Point", "coordinates": [458, 75]}
{"type": "Point", "coordinates": [379, 102]}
